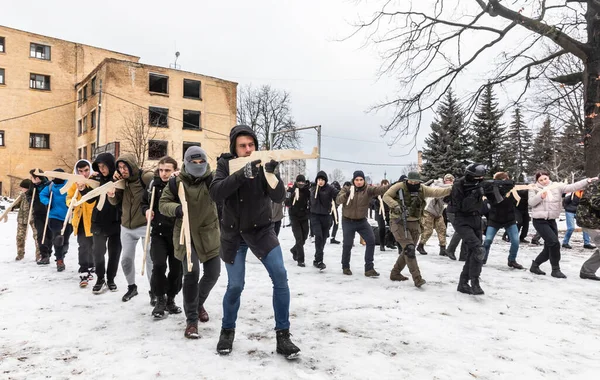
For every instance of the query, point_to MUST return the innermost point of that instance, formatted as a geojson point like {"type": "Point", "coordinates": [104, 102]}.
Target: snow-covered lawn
{"type": "Point", "coordinates": [348, 327]}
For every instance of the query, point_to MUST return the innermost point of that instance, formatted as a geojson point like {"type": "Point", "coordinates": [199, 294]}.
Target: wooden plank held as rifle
{"type": "Point", "coordinates": [381, 208]}
{"type": "Point", "coordinates": [70, 178]}
{"type": "Point", "coordinates": [185, 226]}
{"type": "Point", "coordinates": [4, 215]}
{"type": "Point", "coordinates": [268, 155]}
{"type": "Point", "coordinates": [351, 196]}
{"type": "Point", "coordinates": [47, 217]}
{"type": "Point", "coordinates": [333, 211]}
{"type": "Point", "coordinates": [101, 192]}
{"type": "Point", "coordinates": [60, 239]}
{"type": "Point", "coordinates": [148, 227]}
{"type": "Point", "coordinates": [31, 208]}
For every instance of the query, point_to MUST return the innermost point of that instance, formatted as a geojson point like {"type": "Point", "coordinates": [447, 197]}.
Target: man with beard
{"type": "Point", "coordinates": [299, 210]}
{"type": "Point", "coordinates": [321, 199]}
{"type": "Point", "coordinates": [355, 201]}
{"type": "Point", "coordinates": [246, 196]}
{"type": "Point", "coordinates": [406, 200]}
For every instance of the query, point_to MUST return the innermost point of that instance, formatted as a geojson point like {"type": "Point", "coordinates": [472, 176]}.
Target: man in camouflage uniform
{"type": "Point", "coordinates": [414, 194]}
{"type": "Point", "coordinates": [433, 218]}
{"type": "Point", "coordinates": [22, 219]}
{"type": "Point", "coordinates": [588, 218]}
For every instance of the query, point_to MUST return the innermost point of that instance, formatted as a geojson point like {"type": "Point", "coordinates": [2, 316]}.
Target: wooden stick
{"type": "Point", "coordinates": [268, 155]}
{"type": "Point", "coordinates": [70, 178]}
{"type": "Point", "coordinates": [381, 209]}
{"type": "Point", "coordinates": [69, 211]}
{"type": "Point", "coordinates": [351, 196]}
{"type": "Point", "coordinates": [333, 209]}
{"type": "Point", "coordinates": [148, 226]}
{"type": "Point", "coordinates": [185, 226]}
{"type": "Point", "coordinates": [4, 215]}
{"type": "Point", "coordinates": [47, 217]}
{"type": "Point", "coordinates": [101, 192]}
{"type": "Point", "coordinates": [31, 208]}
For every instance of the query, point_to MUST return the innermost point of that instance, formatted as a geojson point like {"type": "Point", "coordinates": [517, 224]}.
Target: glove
{"type": "Point", "coordinates": [270, 166]}
{"type": "Point", "coordinates": [250, 170]}
{"type": "Point", "coordinates": [397, 210]}
{"type": "Point", "coordinates": [179, 212]}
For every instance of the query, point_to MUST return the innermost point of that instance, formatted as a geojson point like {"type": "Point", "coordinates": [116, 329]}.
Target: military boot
{"type": "Point", "coordinates": [535, 268]}
{"type": "Point", "coordinates": [443, 250]}
{"type": "Point", "coordinates": [463, 286]}
{"type": "Point", "coordinates": [421, 249]}
{"type": "Point", "coordinates": [475, 286]}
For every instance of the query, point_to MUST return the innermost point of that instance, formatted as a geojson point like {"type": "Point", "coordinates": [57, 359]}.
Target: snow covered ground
{"type": "Point", "coordinates": [348, 327]}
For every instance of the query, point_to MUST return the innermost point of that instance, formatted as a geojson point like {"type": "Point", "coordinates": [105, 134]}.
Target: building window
{"type": "Point", "coordinates": [79, 127]}
{"type": "Point", "coordinates": [39, 140]}
{"type": "Point", "coordinates": [1, 138]}
{"type": "Point", "coordinates": [84, 124]}
{"type": "Point", "coordinates": [79, 153]}
{"type": "Point", "coordinates": [2, 48]}
{"type": "Point", "coordinates": [159, 83]}
{"type": "Point", "coordinates": [79, 98]}
{"type": "Point", "coordinates": [157, 149]}
{"type": "Point", "coordinates": [84, 153]}
{"type": "Point", "coordinates": [84, 92]}
{"type": "Point", "coordinates": [187, 144]}
{"type": "Point", "coordinates": [158, 117]}
{"type": "Point", "coordinates": [93, 119]}
{"type": "Point", "coordinates": [39, 51]}
{"type": "Point", "coordinates": [92, 150]}
{"type": "Point", "coordinates": [191, 120]}
{"type": "Point", "coordinates": [39, 82]}
{"type": "Point", "coordinates": [94, 86]}
{"type": "Point", "coordinates": [191, 89]}
{"type": "Point", "coordinates": [2, 76]}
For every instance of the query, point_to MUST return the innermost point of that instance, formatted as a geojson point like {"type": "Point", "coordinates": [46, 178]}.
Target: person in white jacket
{"type": "Point", "coordinates": [545, 200]}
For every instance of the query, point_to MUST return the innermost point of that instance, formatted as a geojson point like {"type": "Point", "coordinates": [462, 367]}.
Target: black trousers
{"type": "Point", "coordinates": [86, 244]}
{"type": "Point", "coordinates": [55, 227]}
{"type": "Point", "coordinates": [549, 232]}
{"type": "Point", "coordinates": [320, 227]}
{"type": "Point", "coordinates": [335, 225]}
{"type": "Point", "coordinates": [381, 228]}
{"type": "Point", "coordinates": [46, 245]}
{"type": "Point", "coordinates": [163, 253]}
{"type": "Point", "coordinates": [524, 225]}
{"type": "Point", "coordinates": [277, 227]}
{"type": "Point", "coordinates": [196, 292]}
{"type": "Point", "coordinates": [114, 254]}
{"type": "Point", "coordinates": [300, 231]}
{"type": "Point", "coordinates": [469, 229]}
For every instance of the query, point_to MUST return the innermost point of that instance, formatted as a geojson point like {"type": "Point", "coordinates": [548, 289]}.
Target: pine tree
{"type": "Point", "coordinates": [517, 148]}
{"type": "Point", "coordinates": [488, 132]}
{"type": "Point", "coordinates": [570, 152]}
{"type": "Point", "coordinates": [445, 146]}
{"type": "Point", "coordinates": [544, 152]}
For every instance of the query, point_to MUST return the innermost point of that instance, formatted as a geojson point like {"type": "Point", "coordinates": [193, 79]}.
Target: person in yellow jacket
{"type": "Point", "coordinates": [82, 224]}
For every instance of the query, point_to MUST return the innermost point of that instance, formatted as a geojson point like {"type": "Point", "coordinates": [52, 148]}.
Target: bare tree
{"type": "Point", "coordinates": [337, 175]}
{"type": "Point", "coordinates": [430, 45]}
{"type": "Point", "coordinates": [412, 167]}
{"type": "Point", "coordinates": [136, 134]}
{"type": "Point", "coordinates": [267, 110]}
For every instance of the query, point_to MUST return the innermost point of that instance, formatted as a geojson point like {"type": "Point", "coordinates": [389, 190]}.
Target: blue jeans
{"type": "Point", "coordinates": [236, 273]}
{"type": "Point", "coordinates": [513, 235]}
{"type": "Point", "coordinates": [571, 227]}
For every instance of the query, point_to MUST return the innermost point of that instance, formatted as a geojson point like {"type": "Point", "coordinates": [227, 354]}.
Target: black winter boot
{"type": "Point", "coordinates": [535, 268]}
{"type": "Point", "coordinates": [451, 255]}
{"type": "Point", "coordinates": [557, 273]}
{"type": "Point", "coordinates": [225, 344]}
{"type": "Point", "coordinates": [421, 249]}
{"type": "Point", "coordinates": [463, 286]}
{"type": "Point", "coordinates": [159, 311]}
{"type": "Point", "coordinates": [152, 298]}
{"type": "Point", "coordinates": [172, 308]}
{"type": "Point", "coordinates": [285, 346]}
{"type": "Point", "coordinates": [131, 292]}
{"type": "Point", "coordinates": [382, 247]}
{"type": "Point", "coordinates": [443, 250]}
{"type": "Point", "coordinates": [475, 287]}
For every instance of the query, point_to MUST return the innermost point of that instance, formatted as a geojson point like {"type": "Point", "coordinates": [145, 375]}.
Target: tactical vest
{"type": "Point", "coordinates": [414, 202]}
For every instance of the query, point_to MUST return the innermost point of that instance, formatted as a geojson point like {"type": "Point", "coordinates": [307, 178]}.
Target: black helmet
{"type": "Point", "coordinates": [476, 170]}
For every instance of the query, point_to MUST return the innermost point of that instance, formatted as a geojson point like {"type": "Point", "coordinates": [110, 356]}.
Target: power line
{"type": "Point", "coordinates": [363, 163]}
{"type": "Point", "coordinates": [168, 116]}
{"type": "Point", "coordinates": [351, 139]}
{"type": "Point", "coordinates": [42, 110]}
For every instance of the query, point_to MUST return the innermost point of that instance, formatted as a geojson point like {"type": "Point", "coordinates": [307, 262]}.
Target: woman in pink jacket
{"type": "Point", "coordinates": [545, 200]}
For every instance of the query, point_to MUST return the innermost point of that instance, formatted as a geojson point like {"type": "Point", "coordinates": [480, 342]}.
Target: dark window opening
{"type": "Point", "coordinates": [79, 153]}
{"type": "Point", "coordinates": [157, 149]}
{"type": "Point", "coordinates": [79, 127]}
{"type": "Point", "coordinates": [187, 144]}
{"type": "Point", "coordinates": [2, 44]}
{"type": "Point", "coordinates": [39, 51]}
{"type": "Point", "coordinates": [84, 92]}
{"type": "Point", "coordinates": [191, 89]}
{"type": "Point", "coordinates": [94, 86]}
{"type": "Point", "coordinates": [39, 140]}
{"type": "Point", "coordinates": [84, 153]}
{"type": "Point", "coordinates": [84, 124]}
{"type": "Point", "coordinates": [191, 120]}
{"type": "Point", "coordinates": [1, 138]}
{"type": "Point", "coordinates": [39, 82]}
{"type": "Point", "coordinates": [93, 119]}
{"type": "Point", "coordinates": [158, 117]}
{"type": "Point", "coordinates": [159, 83]}
{"type": "Point", "coordinates": [2, 76]}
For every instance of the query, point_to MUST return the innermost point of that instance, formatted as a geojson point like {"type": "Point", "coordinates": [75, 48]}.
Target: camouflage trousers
{"type": "Point", "coordinates": [22, 236]}
{"type": "Point", "coordinates": [407, 240]}
{"type": "Point", "coordinates": [429, 223]}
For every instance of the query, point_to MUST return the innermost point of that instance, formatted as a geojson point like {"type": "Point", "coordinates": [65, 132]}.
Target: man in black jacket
{"type": "Point", "coordinates": [321, 198]}
{"type": "Point", "coordinates": [299, 205]}
{"type": "Point", "coordinates": [246, 223]}
{"type": "Point", "coordinates": [570, 203]}
{"type": "Point", "coordinates": [38, 214]}
{"type": "Point", "coordinates": [466, 204]}
{"type": "Point", "coordinates": [161, 245]}
{"type": "Point", "coordinates": [336, 185]}
{"type": "Point", "coordinates": [106, 227]}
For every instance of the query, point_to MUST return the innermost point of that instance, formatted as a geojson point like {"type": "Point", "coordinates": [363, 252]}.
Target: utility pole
{"type": "Point", "coordinates": [317, 127]}
{"type": "Point", "coordinates": [98, 123]}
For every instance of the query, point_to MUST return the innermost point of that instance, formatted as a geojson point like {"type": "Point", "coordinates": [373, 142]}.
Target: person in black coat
{"type": "Point", "coordinates": [246, 223]}
{"type": "Point", "coordinates": [298, 202]}
{"type": "Point", "coordinates": [38, 214]}
{"type": "Point", "coordinates": [106, 227]}
{"type": "Point", "coordinates": [382, 220]}
{"type": "Point", "coordinates": [321, 197]}
{"type": "Point", "coordinates": [334, 229]}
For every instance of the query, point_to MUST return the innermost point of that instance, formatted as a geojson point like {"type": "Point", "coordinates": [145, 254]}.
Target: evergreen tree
{"type": "Point", "coordinates": [570, 152]}
{"type": "Point", "coordinates": [517, 147]}
{"type": "Point", "coordinates": [488, 132]}
{"type": "Point", "coordinates": [445, 146]}
{"type": "Point", "coordinates": [544, 152]}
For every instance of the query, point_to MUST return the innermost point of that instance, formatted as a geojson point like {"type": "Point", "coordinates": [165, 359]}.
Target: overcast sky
{"type": "Point", "coordinates": [291, 45]}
